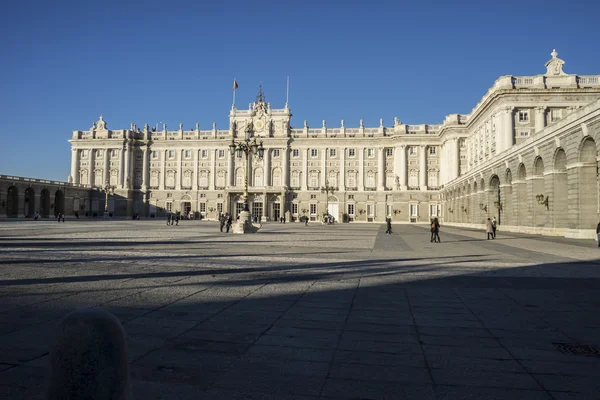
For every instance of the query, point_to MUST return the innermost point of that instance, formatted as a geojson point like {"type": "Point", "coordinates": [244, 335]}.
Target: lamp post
{"type": "Point", "coordinates": [327, 190]}
{"type": "Point", "coordinates": [107, 188]}
{"type": "Point", "coordinates": [246, 147]}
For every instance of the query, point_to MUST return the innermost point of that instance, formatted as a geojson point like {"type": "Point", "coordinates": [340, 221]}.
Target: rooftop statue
{"type": "Point", "coordinates": [555, 65]}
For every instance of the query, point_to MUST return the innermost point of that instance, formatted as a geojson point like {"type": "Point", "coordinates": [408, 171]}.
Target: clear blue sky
{"type": "Point", "coordinates": [64, 63]}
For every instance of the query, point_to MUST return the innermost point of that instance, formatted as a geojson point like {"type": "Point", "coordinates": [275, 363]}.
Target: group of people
{"type": "Point", "coordinates": [225, 221]}
{"type": "Point", "coordinates": [173, 219]}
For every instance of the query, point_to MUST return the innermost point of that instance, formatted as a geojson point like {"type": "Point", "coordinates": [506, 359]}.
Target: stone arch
{"type": "Point", "coordinates": [521, 172]}
{"type": "Point", "coordinates": [276, 177]}
{"type": "Point", "coordinates": [560, 189]}
{"type": "Point", "coordinates": [12, 202]}
{"type": "Point", "coordinates": [538, 166]}
{"type": "Point", "coordinates": [59, 202]}
{"type": "Point", "coordinates": [506, 197]}
{"type": "Point", "coordinates": [45, 203]}
{"type": "Point", "coordinates": [588, 184]}
{"type": "Point", "coordinates": [29, 208]}
{"type": "Point", "coordinates": [494, 198]}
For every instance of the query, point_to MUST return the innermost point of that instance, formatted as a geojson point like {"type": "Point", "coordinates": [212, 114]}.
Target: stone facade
{"type": "Point", "coordinates": [523, 154]}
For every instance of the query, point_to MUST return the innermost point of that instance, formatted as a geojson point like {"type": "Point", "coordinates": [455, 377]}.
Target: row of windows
{"type": "Point", "coordinates": [187, 154]}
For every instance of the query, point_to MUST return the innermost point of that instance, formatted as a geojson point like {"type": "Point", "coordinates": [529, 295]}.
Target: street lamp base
{"type": "Point", "coordinates": [244, 224]}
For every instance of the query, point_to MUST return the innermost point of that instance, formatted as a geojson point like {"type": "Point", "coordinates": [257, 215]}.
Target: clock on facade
{"type": "Point", "coordinates": [259, 125]}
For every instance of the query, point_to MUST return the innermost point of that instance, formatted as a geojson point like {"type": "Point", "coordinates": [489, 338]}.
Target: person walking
{"type": "Point", "coordinates": [169, 219]}
{"type": "Point", "coordinates": [229, 223]}
{"type": "Point", "coordinates": [177, 219]}
{"type": "Point", "coordinates": [489, 229]}
{"type": "Point", "coordinates": [494, 226]}
{"type": "Point", "coordinates": [221, 222]}
{"type": "Point", "coordinates": [305, 220]}
{"type": "Point", "coordinates": [388, 220]}
{"type": "Point", "coordinates": [436, 230]}
{"type": "Point", "coordinates": [432, 230]}
{"type": "Point", "coordinates": [598, 233]}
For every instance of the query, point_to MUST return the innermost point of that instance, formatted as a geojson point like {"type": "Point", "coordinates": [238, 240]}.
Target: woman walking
{"type": "Point", "coordinates": [436, 230]}
{"type": "Point", "coordinates": [489, 229]}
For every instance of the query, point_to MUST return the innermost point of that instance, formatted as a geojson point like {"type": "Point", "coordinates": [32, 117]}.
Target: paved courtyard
{"type": "Point", "coordinates": [298, 312]}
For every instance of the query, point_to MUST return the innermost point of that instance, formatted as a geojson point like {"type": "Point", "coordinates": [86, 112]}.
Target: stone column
{"type": "Point", "coordinates": [122, 167]}
{"type": "Point", "coordinates": [381, 169]}
{"type": "Point", "coordinates": [267, 173]}
{"type": "Point", "coordinates": [145, 169]}
{"type": "Point", "coordinates": [163, 174]}
{"type": "Point", "coordinates": [342, 180]}
{"type": "Point", "coordinates": [403, 168]}
{"type": "Point", "coordinates": [127, 166]}
{"type": "Point", "coordinates": [178, 180]}
{"type": "Point", "coordinates": [230, 176]}
{"type": "Point", "coordinates": [507, 128]}
{"type": "Point", "coordinates": [286, 167]}
{"type": "Point", "coordinates": [106, 167]}
{"type": "Point", "coordinates": [324, 168]}
{"type": "Point", "coordinates": [422, 167]}
{"type": "Point", "coordinates": [456, 158]}
{"type": "Point", "coordinates": [212, 178]}
{"type": "Point", "coordinates": [92, 175]}
{"type": "Point", "coordinates": [361, 169]}
{"type": "Point", "coordinates": [540, 118]}
{"type": "Point", "coordinates": [305, 172]}
{"type": "Point", "coordinates": [75, 165]}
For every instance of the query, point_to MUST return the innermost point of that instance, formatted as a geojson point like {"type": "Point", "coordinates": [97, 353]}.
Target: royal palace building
{"type": "Point", "coordinates": [527, 154]}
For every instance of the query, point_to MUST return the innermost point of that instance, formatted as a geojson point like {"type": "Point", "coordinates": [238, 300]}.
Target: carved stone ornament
{"type": "Point", "coordinates": [555, 65]}
{"type": "Point", "coordinates": [101, 124]}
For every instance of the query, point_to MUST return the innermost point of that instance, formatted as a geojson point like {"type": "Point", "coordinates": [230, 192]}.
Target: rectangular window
{"type": "Point", "coordinates": [220, 195]}
{"type": "Point", "coordinates": [154, 154]}
{"type": "Point", "coordinates": [414, 210]}
{"type": "Point", "coordinates": [202, 195]}
{"type": "Point", "coordinates": [432, 151]}
{"type": "Point", "coordinates": [220, 208]}
{"type": "Point", "coordinates": [275, 152]}
{"type": "Point", "coordinates": [433, 210]}
{"type": "Point", "coordinates": [203, 153]}
{"type": "Point", "coordinates": [332, 152]}
{"type": "Point", "coordinates": [351, 152]}
{"type": "Point", "coordinates": [313, 209]}
{"type": "Point", "coordinates": [99, 153]}
{"type": "Point", "coordinates": [370, 153]}
{"type": "Point", "coordinates": [524, 133]}
{"type": "Point", "coordinates": [313, 153]}
{"type": "Point", "coordinates": [523, 116]}
{"type": "Point", "coordinates": [188, 154]}
{"type": "Point", "coordinates": [84, 153]}
{"type": "Point", "coordinates": [295, 153]}
{"type": "Point", "coordinates": [350, 209]}
{"type": "Point", "coordinates": [313, 196]}
{"type": "Point", "coordinates": [221, 153]}
{"type": "Point", "coordinates": [295, 208]}
{"type": "Point", "coordinates": [412, 150]}
{"type": "Point", "coordinates": [388, 210]}
{"type": "Point", "coordinates": [389, 152]}
{"type": "Point", "coordinates": [171, 153]}
{"type": "Point", "coordinates": [202, 207]}
{"type": "Point", "coordinates": [555, 114]}
{"type": "Point", "coordinates": [169, 206]}
{"type": "Point", "coordinates": [113, 153]}
{"type": "Point", "coordinates": [350, 197]}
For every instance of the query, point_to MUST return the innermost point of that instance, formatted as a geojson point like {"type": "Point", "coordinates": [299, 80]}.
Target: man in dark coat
{"type": "Point", "coordinates": [388, 220]}
{"type": "Point", "coordinates": [221, 222]}
{"type": "Point", "coordinates": [229, 223]}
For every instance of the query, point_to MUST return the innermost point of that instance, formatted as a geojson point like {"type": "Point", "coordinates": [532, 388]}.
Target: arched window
{"type": "Point", "coordinates": [203, 179]}
{"type": "Point", "coordinates": [170, 179]}
{"type": "Point", "coordinates": [221, 178]}
{"type": "Point", "coordinates": [276, 177]}
{"type": "Point", "coordinates": [332, 179]}
{"type": "Point", "coordinates": [313, 179]}
{"type": "Point", "coordinates": [187, 179]}
{"type": "Point", "coordinates": [433, 178]}
{"type": "Point", "coordinates": [295, 179]}
{"type": "Point", "coordinates": [258, 177]}
{"type": "Point", "coordinates": [239, 177]}
{"type": "Point", "coordinates": [370, 179]}
{"type": "Point", "coordinates": [351, 179]}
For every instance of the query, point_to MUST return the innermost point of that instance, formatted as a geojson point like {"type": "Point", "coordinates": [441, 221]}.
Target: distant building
{"type": "Point", "coordinates": [530, 140]}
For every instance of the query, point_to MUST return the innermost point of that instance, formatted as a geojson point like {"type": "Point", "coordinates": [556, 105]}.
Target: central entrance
{"type": "Point", "coordinates": [276, 211]}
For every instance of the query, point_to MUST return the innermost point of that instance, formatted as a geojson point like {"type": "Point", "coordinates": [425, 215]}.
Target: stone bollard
{"type": "Point", "coordinates": [88, 359]}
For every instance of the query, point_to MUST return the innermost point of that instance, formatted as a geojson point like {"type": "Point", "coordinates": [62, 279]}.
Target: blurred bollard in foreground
{"type": "Point", "coordinates": [88, 359]}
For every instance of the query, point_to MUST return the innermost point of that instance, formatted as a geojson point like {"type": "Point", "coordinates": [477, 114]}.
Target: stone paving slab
{"type": "Point", "coordinates": [295, 312]}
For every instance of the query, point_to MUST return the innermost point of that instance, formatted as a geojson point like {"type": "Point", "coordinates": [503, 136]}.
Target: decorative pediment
{"type": "Point", "coordinates": [100, 125]}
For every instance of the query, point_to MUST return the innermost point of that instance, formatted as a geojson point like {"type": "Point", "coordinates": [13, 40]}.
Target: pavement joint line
{"type": "Point", "coordinates": [502, 345]}
{"type": "Point", "coordinates": [339, 339]}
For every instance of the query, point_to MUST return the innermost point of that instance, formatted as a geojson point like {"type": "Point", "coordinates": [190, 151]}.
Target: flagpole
{"type": "Point", "coordinates": [287, 91]}
{"type": "Point", "coordinates": [234, 92]}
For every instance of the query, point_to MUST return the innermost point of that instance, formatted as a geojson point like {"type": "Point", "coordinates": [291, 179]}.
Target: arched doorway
{"type": "Point", "coordinates": [59, 202]}
{"type": "Point", "coordinates": [333, 207]}
{"type": "Point", "coordinates": [588, 185]}
{"type": "Point", "coordinates": [12, 202]}
{"type": "Point", "coordinates": [506, 204]}
{"type": "Point", "coordinates": [494, 200]}
{"type": "Point", "coordinates": [521, 203]}
{"type": "Point", "coordinates": [29, 202]}
{"type": "Point", "coordinates": [186, 206]}
{"type": "Point", "coordinates": [561, 190]}
{"type": "Point", "coordinates": [276, 208]}
{"type": "Point", "coordinates": [45, 203]}
{"type": "Point", "coordinates": [537, 216]}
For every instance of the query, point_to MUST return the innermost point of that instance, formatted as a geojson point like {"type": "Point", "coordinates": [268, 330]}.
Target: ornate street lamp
{"type": "Point", "coordinates": [107, 189]}
{"type": "Point", "coordinates": [247, 147]}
